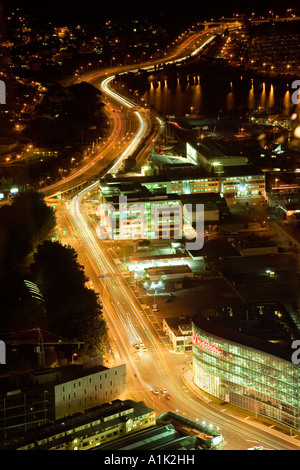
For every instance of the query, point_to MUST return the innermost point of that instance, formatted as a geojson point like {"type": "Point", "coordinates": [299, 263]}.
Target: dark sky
{"type": "Point", "coordinates": [172, 13]}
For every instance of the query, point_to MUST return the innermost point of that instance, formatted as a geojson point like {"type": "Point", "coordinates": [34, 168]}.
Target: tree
{"type": "Point", "coordinates": [23, 225]}
{"type": "Point", "coordinates": [74, 310]}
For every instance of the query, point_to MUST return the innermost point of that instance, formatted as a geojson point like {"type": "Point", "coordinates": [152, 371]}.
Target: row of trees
{"type": "Point", "coordinates": [66, 307]}
{"type": "Point", "coordinates": [67, 116]}
{"type": "Point", "coordinates": [73, 309]}
{"type": "Point", "coordinates": [24, 224]}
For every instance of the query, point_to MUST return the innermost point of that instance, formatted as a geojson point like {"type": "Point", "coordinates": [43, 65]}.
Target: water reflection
{"type": "Point", "coordinates": [198, 93]}
{"type": "Point", "coordinates": [230, 101]}
{"type": "Point", "coordinates": [262, 102]}
{"type": "Point", "coordinates": [271, 99]}
{"type": "Point", "coordinates": [287, 103]}
{"type": "Point", "coordinates": [251, 97]}
{"type": "Point", "coordinates": [198, 96]}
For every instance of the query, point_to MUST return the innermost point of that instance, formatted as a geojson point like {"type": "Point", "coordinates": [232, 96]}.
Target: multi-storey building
{"type": "Point", "coordinates": [81, 431]}
{"type": "Point", "coordinates": [89, 389]}
{"type": "Point", "coordinates": [248, 362]}
{"type": "Point", "coordinates": [50, 394]}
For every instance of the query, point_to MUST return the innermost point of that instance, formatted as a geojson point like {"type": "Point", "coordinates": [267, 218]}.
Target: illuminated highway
{"type": "Point", "coordinates": [158, 367]}
{"type": "Point", "coordinates": [128, 123]}
{"type": "Point", "coordinates": [128, 322]}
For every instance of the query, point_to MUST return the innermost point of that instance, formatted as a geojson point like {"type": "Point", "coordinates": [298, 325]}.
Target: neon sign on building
{"type": "Point", "coordinates": [206, 345]}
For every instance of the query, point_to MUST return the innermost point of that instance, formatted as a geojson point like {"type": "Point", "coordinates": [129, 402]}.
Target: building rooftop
{"type": "Point", "coordinates": [213, 149]}
{"type": "Point", "coordinates": [51, 376]}
{"type": "Point", "coordinates": [267, 327]}
{"type": "Point", "coordinates": [169, 269]}
{"type": "Point", "coordinates": [170, 432]}
{"type": "Point", "coordinates": [180, 326]}
{"type": "Point", "coordinates": [254, 241]}
{"type": "Point", "coordinates": [142, 196]}
{"type": "Point", "coordinates": [179, 173]}
{"type": "Point", "coordinates": [118, 411]}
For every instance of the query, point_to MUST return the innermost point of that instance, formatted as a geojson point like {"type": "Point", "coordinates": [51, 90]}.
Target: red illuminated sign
{"type": "Point", "coordinates": [206, 345]}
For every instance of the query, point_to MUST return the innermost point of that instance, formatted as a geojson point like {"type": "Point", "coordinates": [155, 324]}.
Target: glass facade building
{"type": "Point", "coordinates": [226, 366]}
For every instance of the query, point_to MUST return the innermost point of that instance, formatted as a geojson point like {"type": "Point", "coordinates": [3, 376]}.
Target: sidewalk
{"type": "Point", "coordinates": [227, 409]}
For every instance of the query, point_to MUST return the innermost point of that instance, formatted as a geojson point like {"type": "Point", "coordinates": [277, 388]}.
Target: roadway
{"type": "Point", "coordinates": [127, 320]}
{"type": "Point", "coordinates": [128, 123]}
{"type": "Point", "coordinates": [158, 367]}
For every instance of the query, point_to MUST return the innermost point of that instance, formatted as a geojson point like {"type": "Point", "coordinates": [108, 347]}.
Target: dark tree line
{"type": "Point", "coordinates": [24, 224]}
{"type": "Point", "coordinates": [73, 310]}
{"type": "Point", "coordinates": [66, 306]}
{"type": "Point", "coordinates": [66, 116]}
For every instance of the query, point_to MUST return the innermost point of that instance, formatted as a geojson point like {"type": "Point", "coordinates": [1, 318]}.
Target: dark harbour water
{"type": "Point", "coordinates": [206, 94]}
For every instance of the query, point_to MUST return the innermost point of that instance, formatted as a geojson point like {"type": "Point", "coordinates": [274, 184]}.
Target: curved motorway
{"type": "Point", "coordinates": [128, 321]}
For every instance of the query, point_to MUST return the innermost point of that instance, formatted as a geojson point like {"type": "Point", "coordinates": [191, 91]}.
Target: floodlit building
{"type": "Point", "coordinates": [89, 388]}
{"type": "Point", "coordinates": [234, 180]}
{"type": "Point", "coordinates": [169, 273]}
{"type": "Point", "coordinates": [92, 428]}
{"type": "Point", "coordinates": [244, 357]}
{"type": "Point", "coordinates": [141, 216]}
{"type": "Point", "coordinates": [179, 330]}
{"type": "Point", "coordinates": [147, 209]}
{"type": "Point", "coordinates": [171, 432]}
{"type": "Point", "coordinates": [211, 154]}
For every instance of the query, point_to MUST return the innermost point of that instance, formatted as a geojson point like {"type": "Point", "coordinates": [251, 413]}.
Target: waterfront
{"type": "Point", "coordinates": [204, 94]}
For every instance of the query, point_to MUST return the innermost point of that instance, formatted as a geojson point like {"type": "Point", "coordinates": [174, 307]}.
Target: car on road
{"type": "Point", "coordinates": [155, 391]}
{"type": "Point", "coordinates": [163, 390]}
{"type": "Point", "coordinates": [168, 396]}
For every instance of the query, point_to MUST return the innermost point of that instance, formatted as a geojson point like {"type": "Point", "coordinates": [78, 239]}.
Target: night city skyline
{"type": "Point", "coordinates": [149, 228]}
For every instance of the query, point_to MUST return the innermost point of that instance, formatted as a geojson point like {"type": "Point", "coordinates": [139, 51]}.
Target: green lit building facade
{"type": "Point", "coordinates": [236, 369]}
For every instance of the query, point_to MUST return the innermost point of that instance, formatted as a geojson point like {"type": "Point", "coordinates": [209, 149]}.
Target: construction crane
{"type": "Point", "coordinates": [39, 338]}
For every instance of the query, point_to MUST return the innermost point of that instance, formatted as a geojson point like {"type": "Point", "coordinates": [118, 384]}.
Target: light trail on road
{"type": "Point", "coordinates": [129, 321]}
{"type": "Point", "coordinates": [129, 325]}
{"type": "Point", "coordinates": [143, 123]}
